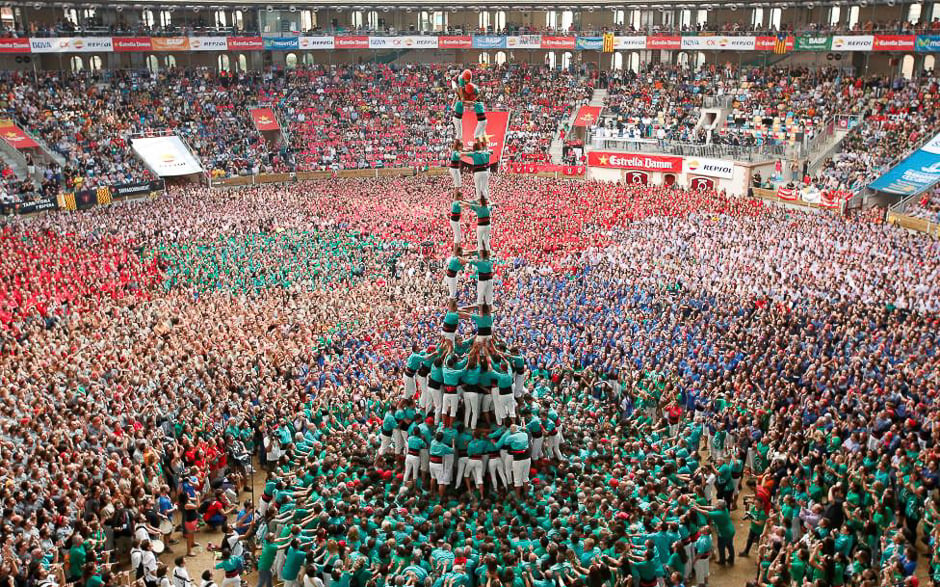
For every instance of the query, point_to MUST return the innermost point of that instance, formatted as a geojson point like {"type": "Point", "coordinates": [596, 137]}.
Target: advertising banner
{"type": "Point", "coordinates": [315, 43]}
{"type": "Point", "coordinates": [589, 43]}
{"type": "Point", "coordinates": [37, 206]}
{"type": "Point", "coordinates": [913, 175]}
{"type": "Point", "coordinates": [14, 46]}
{"type": "Point", "coordinates": [665, 43]}
{"type": "Point", "coordinates": [385, 42]}
{"type": "Point", "coordinates": [419, 42]}
{"type": "Point", "coordinates": [208, 44]}
{"type": "Point", "coordinates": [637, 161]}
{"type": "Point", "coordinates": [893, 43]}
{"type": "Point", "coordinates": [927, 43]}
{"type": "Point", "coordinates": [709, 167]}
{"type": "Point", "coordinates": [628, 43]}
{"type": "Point", "coordinates": [245, 43]}
{"type": "Point", "coordinates": [524, 42]}
{"type": "Point", "coordinates": [281, 43]}
{"type": "Point", "coordinates": [351, 42]}
{"type": "Point", "coordinates": [264, 119]}
{"type": "Point", "coordinates": [130, 190]}
{"type": "Point", "coordinates": [166, 156]}
{"type": "Point", "coordinates": [465, 42]}
{"type": "Point", "coordinates": [558, 42]}
{"type": "Point", "coordinates": [170, 43]}
{"type": "Point", "coordinates": [16, 138]}
{"type": "Point", "coordinates": [856, 43]}
{"type": "Point", "coordinates": [813, 43]}
{"type": "Point", "coordinates": [771, 44]}
{"type": "Point", "coordinates": [496, 125]}
{"type": "Point", "coordinates": [72, 45]}
{"type": "Point", "coordinates": [131, 44]}
{"type": "Point", "coordinates": [489, 42]}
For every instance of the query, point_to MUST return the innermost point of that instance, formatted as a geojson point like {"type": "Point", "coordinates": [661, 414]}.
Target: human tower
{"type": "Point", "coordinates": [477, 377]}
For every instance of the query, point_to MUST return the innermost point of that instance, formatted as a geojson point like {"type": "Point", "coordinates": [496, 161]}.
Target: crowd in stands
{"type": "Point", "coordinates": [704, 354]}
{"type": "Point", "coordinates": [927, 206]}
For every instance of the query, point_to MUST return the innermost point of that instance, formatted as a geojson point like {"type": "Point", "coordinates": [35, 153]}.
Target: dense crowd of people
{"type": "Point", "coordinates": [689, 353]}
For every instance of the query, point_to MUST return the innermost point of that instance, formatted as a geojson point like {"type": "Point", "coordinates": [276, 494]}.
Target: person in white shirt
{"type": "Point", "coordinates": [181, 576]}
{"type": "Point", "coordinates": [149, 561]}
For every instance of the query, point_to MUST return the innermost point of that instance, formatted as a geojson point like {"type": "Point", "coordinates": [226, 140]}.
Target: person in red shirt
{"type": "Point", "coordinates": [217, 511]}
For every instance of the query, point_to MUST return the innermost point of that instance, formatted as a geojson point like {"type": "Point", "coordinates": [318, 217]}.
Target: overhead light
{"type": "Point", "coordinates": [292, 9]}
{"type": "Point", "coordinates": [732, 7]}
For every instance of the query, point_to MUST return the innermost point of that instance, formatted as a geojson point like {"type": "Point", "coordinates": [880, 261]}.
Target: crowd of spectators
{"type": "Point", "coordinates": [705, 354]}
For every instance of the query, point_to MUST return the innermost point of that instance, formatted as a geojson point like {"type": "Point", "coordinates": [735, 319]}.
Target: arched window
{"type": "Point", "coordinates": [242, 62]}
{"type": "Point", "coordinates": [308, 58]}
{"type": "Point", "coordinates": [620, 17]}
{"type": "Point", "coordinates": [308, 20]}
{"type": "Point", "coordinates": [221, 19]}
{"type": "Point", "coordinates": [551, 19]}
{"type": "Point", "coordinates": [550, 60]}
{"type": "Point", "coordinates": [835, 15]}
{"type": "Point", "coordinates": [94, 63]}
{"type": "Point", "coordinates": [929, 62]}
{"type": "Point", "coordinates": [76, 63]}
{"type": "Point", "coordinates": [914, 12]}
{"type": "Point", "coordinates": [757, 17]}
{"type": "Point", "coordinates": [682, 59]}
{"type": "Point", "coordinates": [356, 19]}
{"type": "Point", "coordinates": [566, 60]}
{"type": "Point", "coordinates": [483, 21]}
{"type": "Point", "coordinates": [223, 62]}
{"type": "Point", "coordinates": [238, 20]}
{"type": "Point", "coordinates": [685, 18]}
{"type": "Point", "coordinates": [700, 59]}
{"type": "Point", "coordinates": [147, 18]}
{"type": "Point", "coordinates": [500, 23]}
{"type": "Point", "coordinates": [853, 16]}
{"type": "Point", "coordinates": [290, 60]}
{"type": "Point", "coordinates": [567, 19]}
{"type": "Point", "coordinates": [617, 62]}
{"type": "Point", "coordinates": [775, 15]}
{"type": "Point", "coordinates": [907, 66]}
{"type": "Point", "coordinates": [424, 21]}
{"type": "Point", "coordinates": [169, 61]}
{"type": "Point", "coordinates": [71, 15]}
{"type": "Point", "coordinates": [636, 19]}
{"type": "Point", "coordinates": [440, 21]}
{"type": "Point", "coordinates": [634, 63]}
{"type": "Point", "coordinates": [500, 57]}
{"type": "Point", "coordinates": [373, 20]}
{"type": "Point", "coordinates": [484, 58]}
{"type": "Point", "coordinates": [166, 18]}
{"type": "Point", "coordinates": [153, 64]}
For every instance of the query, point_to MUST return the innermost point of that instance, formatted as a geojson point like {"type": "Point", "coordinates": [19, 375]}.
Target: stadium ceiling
{"type": "Point", "coordinates": [450, 5]}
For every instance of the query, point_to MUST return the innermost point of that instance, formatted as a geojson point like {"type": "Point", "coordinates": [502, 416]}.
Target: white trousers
{"type": "Point", "coordinates": [451, 286]}
{"type": "Point", "coordinates": [385, 443]}
{"type": "Point", "coordinates": [475, 471]}
{"type": "Point", "coordinates": [480, 129]}
{"type": "Point", "coordinates": [458, 127]}
{"type": "Point", "coordinates": [461, 469]}
{"type": "Point", "coordinates": [497, 472]}
{"type": "Point", "coordinates": [410, 386]}
{"type": "Point", "coordinates": [471, 414]}
{"type": "Point", "coordinates": [399, 437]}
{"type": "Point", "coordinates": [449, 468]}
{"type": "Point", "coordinates": [537, 448]}
{"type": "Point", "coordinates": [412, 466]}
{"type": "Point", "coordinates": [437, 472]}
{"type": "Point", "coordinates": [450, 403]}
{"type": "Point", "coordinates": [485, 291]}
{"type": "Point", "coordinates": [481, 180]}
{"type": "Point", "coordinates": [458, 232]}
{"type": "Point", "coordinates": [483, 237]}
{"type": "Point", "coordinates": [456, 176]}
{"type": "Point", "coordinates": [518, 385]}
{"type": "Point", "coordinates": [520, 471]}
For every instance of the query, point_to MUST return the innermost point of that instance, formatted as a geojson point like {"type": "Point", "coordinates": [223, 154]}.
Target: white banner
{"type": "Point", "coordinates": [719, 43]}
{"type": "Point", "coordinates": [71, 45]}
{"type": "Point", "coordinates": [385, 42]}
{"type": "Point", "coordinates": [524, 42]}
{"type": "Point", "coordinates": [419, 42]}
{"type": "Point", "coordinates": [208, 43]}
{"type": "Point", "coordinates": [708, 167]}
{"type": "Point", "coordinates": [637, 43]}
{"type": "Point", "coordinates": [856, 43]}
{"type": "Point", "coordinates": [166, 156]}
{"type": "Point", "coordinates": [316, 43]}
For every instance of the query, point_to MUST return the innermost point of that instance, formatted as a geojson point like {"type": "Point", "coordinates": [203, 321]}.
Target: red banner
{"type": "Point", "coordinates": [14, 46]}
{"type": "Point", "coordinates": [669, 43]}
{"type": "Point", "coordinates": [465, 42]}
{"type": "Point", "coordinates": [893, 43]}
{"type": "Point", "coordinates": [264, 119]}
{"type": "Point", "coordinates": [244, 43]}
{"type": "Point", "coordinates": [770, 43]}
{"type": "Point", "coordinates": [129, 44]}
{"type": "Point", "coordinates": [587, 115]}
{"type": "Point", "coordinates": [635, 161]}
{"type": "Point", "coordinates": [17, 138]}
{"type": "Point", "coordinates": [558, 42]}
{"type": "Point", "coordinates": [351, 42]}
{"type": "Point", "coordinates": [496, 125]}
{"type": "Point", "coordinates": [522, 167]}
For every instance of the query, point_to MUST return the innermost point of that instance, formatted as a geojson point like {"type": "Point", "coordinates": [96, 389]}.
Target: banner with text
{"type": "Point", "coordinates": [496, 125]}
{"type": "Point", "coordinates": [636, 161]}
{"type": "Point", "coordinates": [913, 175]}
{"type": "Point", "coordinates": [16, 138]}
{"type": "Point", "coordinates": [166, 156]}
{"type": "Point", "coordinates": [264, 119]}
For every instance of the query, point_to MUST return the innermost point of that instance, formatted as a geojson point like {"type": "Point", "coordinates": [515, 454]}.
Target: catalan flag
{"type": "Point", "coordinates": [608, 43]}
{"type": "Point", "coordinates": [780, 45]}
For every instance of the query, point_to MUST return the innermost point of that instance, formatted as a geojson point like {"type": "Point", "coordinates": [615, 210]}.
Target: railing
{"type": "Point", "coordinates": [716, 151]}
{"type": "Point", "coordinates": [723, 102]}
{"type": "Point", "coordinates": [915, 224]}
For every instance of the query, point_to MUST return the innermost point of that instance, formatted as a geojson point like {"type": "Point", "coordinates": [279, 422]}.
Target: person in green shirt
{"type": "Point", "coordinates": [454, 165]}
{"type": "Point", "coordinates": [295, 557]}
{"type": "Point", "coordinates": [476, 450]}
{"type": "Point", "coordinates": [758, 517]}
{"type": "Point", "coordinates": [233, 566]}
{"type": "Point", "coordinates": [484, 267]}
{"type": "Point", "coordinates": [455, 264]}
{"type": "Point", "coordinates": [481, 178]}
{"type": "Point", "coordinates": [439, 449]}
{"type": "Point", "coordinates": [720, 518]}
{"type": "Point", "coordinates": [77, 558]}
